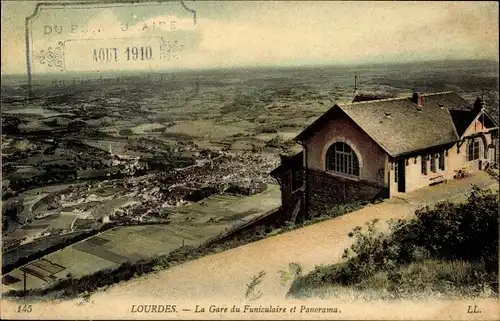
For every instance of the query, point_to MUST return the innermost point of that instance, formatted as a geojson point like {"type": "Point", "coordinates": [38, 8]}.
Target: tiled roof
{"type": "Point", "coordinates": [398, 125]}
{"type": "Point", "coordinates": [367, 96]}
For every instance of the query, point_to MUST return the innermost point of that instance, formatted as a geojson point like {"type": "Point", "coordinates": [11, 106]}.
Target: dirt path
{"type": "Point", "coordinates": [225, 274]}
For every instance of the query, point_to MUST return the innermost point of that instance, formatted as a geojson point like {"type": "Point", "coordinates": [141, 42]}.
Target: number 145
{"type": "Point", "coordinates": [24, 308]}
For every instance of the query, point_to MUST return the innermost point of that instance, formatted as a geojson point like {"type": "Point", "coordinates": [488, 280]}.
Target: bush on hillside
{"type": "Point", "coordinates": [435, 240]}
{"type": "Point", "coordinates": [467, 231]}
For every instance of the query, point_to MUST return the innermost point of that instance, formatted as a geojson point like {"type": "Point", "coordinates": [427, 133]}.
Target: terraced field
{"type": "Point", "coordinates": [190, 225]}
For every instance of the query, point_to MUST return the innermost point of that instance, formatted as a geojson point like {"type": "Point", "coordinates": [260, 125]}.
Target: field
{"type": "Point", "coordinates": [206, 129]}
{"type": "Point", "coordinates": [190, 225]}
{"type": "Point", "coordinates": [214, 105]}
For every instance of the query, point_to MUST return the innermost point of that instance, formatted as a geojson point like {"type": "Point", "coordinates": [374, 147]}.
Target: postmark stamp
{"type": "Point", "coordinates": [71, 37]}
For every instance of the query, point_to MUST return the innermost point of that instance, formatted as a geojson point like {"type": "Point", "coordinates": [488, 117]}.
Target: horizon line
{"type": "Point", "coordinates": [293, 66]}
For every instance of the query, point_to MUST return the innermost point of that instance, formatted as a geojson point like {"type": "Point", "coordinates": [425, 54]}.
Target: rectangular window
{"type": "Point", "coordinates": [433, 162]}
{"type": "Point", "coordinates": [470, 150]}
{"type": "Point", "coordinates": [477, 149]}
{"type": "Point", "coordinates": [396, 172]}
{"type": "Point", "coordinates": [441, 160]}
{"type": "Point", "coordinates": [424, 164]}
{"type": "Point", "coordinates": [473, 149]}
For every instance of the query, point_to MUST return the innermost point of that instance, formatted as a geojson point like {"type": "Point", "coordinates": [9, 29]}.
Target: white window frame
{"type": "Point", "coordinates": [345, 162]}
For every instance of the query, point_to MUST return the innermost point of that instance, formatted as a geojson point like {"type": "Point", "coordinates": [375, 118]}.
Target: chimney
{"type": "Point", "coordinates": [417, 99]}
{"type": "Point", "coordinates": [478, 104]}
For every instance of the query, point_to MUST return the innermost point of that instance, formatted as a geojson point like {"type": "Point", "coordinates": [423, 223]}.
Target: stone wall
{"type": "Point", "coordinates": [324, 190]}
{"type": "Point", "coordinates": [295, 214]}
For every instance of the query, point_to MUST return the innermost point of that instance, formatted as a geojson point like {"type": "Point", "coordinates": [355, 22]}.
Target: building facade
{"type": "Point", "coordinates": [379, 148]}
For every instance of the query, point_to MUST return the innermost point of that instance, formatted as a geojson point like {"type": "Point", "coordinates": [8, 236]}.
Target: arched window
{"type": "Point", "coordinates": [341, 158]}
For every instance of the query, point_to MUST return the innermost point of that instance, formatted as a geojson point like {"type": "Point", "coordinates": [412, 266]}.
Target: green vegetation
{"type": "Point", "coordinates": [337, 210]}
{"type": "Point", "coordinates": [451, 249]}
{"type": "Point", "coordinates": [278, 142]}
{"type": "Point", "coordinates": [293, 272]}
{"type": "Point", "coordinates": [239, 104]}
{"type": "Point", "coordinates": [72, 286]}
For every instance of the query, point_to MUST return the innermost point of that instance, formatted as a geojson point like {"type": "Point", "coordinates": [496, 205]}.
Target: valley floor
{"type": "Point", "coordinates": [190, 225]}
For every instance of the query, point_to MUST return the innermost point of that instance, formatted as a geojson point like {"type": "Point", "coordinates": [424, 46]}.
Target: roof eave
{"type": "Point", "coordinates": [299, 138]}
{"type": "Point", "coordinates": [425, 148]}
{"type": "Point", "coordinates": [453, 123]}
{"type": "Point", "coordinates": [483, 111]}
{"type": "Point", "coordinates": [492, 119]}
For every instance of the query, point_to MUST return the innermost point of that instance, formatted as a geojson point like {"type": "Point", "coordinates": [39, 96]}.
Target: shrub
{"type": "Point", "coordinates": [467, 231]}
{"type": "Point", "coordinates": [451, 248]}
{"type": "Point", "coordinates": [292, 273]}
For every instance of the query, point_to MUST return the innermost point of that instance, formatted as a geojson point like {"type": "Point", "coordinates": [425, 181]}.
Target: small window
{"type": "Point", "coordinates": [476, 149]}
{"type": "Point", "coordinates": [396, 172]}
{"type": "Point", "coordinates": [433, 162]}
{"type": "Point", "coordinates": [442, 156]}
{"type": "Point", "coordinates": [473, 149]}
{"type": "Point", "coordinates": [470, 150]}
{"type": "Point", "coordinates": [424, 164]}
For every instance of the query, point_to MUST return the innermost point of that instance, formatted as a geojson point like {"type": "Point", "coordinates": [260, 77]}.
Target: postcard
{"type": "Point", "coordinates": [260, 160]}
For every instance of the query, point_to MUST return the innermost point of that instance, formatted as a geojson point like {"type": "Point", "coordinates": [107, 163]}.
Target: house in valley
{"type": "Point", "coordinates": [379, 148]}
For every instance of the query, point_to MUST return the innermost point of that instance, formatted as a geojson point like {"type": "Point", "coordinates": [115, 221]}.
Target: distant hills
{"type": "Point", "coordinates": [446, 63]}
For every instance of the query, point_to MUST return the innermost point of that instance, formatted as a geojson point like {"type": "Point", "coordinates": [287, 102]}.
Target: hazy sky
{"type": "Point", "coordinates": [266, 33]}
